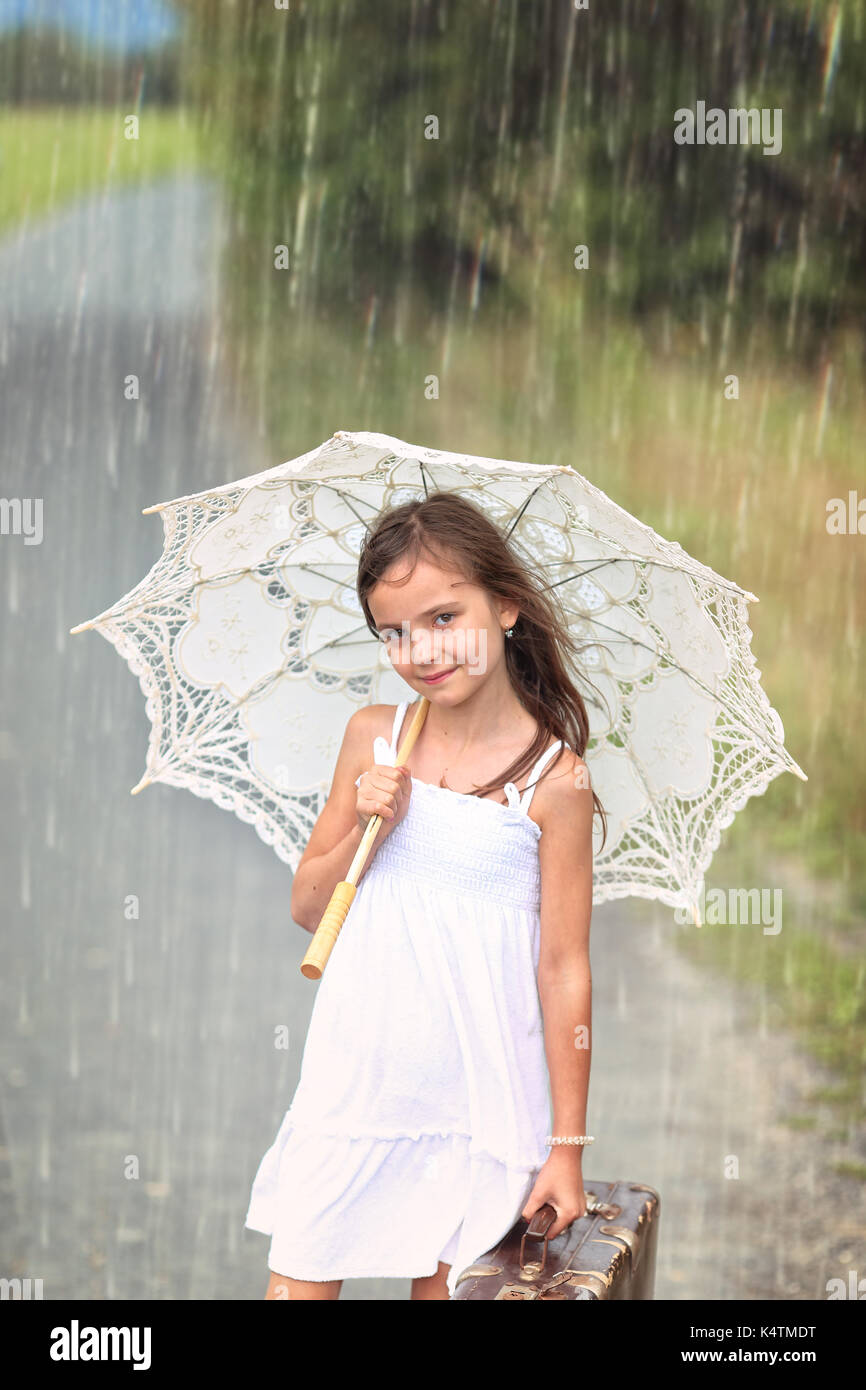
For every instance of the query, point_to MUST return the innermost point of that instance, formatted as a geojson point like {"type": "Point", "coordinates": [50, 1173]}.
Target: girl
{"type": "Point", "coordinates": [420, 1128]}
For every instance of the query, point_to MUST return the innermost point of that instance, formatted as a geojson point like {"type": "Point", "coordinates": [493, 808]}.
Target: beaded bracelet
{"type": "Point", "coordinates": [570, 1139]}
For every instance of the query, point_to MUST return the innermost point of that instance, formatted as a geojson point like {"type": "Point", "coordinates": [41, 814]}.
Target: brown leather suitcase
{"type": "Point", "coordinates": [608, 1253]}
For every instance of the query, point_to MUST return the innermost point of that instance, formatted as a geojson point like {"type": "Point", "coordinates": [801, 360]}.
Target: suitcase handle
{"type": "Point", "coordinates": [542, 1220]}
{"type": "Point", "coordinates": [539, 1224]}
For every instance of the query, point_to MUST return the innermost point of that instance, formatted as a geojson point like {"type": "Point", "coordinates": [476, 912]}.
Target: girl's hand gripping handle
{"type": "Point", "coordinates": [334, 915]}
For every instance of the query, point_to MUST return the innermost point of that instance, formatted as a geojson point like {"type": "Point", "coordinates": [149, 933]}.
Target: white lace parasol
{"type": "Point", "coordinates": [252, 651]}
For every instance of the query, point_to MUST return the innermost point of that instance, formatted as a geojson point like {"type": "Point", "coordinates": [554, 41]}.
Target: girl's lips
{"type": "Point", "coordinates": [435, 680]}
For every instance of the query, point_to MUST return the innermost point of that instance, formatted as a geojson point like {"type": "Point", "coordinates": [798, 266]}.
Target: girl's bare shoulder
{"type": "Point", "coordinates": [563, 789]}
{"type": "Point", "coordinates": [369, 722]}
{"type": "Point", "coordinates": [363, 726]}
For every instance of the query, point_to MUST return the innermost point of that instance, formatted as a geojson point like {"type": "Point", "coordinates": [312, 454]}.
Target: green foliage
{"type": "Point", "coordinates": [50, 66]}
{"type": "Point", "coordinates": [555, 129]}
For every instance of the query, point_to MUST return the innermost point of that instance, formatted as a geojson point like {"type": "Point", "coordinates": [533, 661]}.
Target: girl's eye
{"type": "Point", "coordinates": [389, 636]}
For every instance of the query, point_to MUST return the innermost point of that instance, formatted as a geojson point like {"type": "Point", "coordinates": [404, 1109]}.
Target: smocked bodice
{"type": "Point", "coordinates": [472, 847]}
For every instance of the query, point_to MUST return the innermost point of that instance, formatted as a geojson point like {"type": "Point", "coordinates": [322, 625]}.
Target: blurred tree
{"type": "Point", "coordinates": [555, 129]}
{"type": "Point", "coordinates": [50, 67]}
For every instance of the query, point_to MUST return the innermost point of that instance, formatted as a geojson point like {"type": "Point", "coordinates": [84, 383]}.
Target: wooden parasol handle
{"type": "Point", "coordinates": [334, 916]}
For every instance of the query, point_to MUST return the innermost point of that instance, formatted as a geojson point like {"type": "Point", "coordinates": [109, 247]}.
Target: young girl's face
{"type": "Point", "coordinates": [438, 628]}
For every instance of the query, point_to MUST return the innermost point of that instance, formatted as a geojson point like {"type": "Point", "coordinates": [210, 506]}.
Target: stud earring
{"type": "Point", "coordinates": [509, 632]}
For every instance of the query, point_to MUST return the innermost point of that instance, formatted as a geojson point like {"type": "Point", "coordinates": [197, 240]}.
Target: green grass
{"type": "Point", "coordinates": [847, 1169]}
{"type": "Point", "coordinates": [50, 156]}
{"type": "Point", "coordinates": [808, 977]}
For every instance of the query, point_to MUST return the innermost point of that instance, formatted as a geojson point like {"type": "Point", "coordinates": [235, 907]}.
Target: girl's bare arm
{"type": "Point", "coordinates": [564, 976]}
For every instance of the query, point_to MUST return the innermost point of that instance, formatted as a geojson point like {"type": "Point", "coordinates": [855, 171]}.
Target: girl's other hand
{"type": "Point", "coordinates": [383, 791]}
{"type": "Point", "coordinates": [559, 1182]}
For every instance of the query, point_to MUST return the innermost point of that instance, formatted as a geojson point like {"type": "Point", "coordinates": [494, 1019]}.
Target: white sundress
{"type": "Point", "coordinates": [418, 1125]}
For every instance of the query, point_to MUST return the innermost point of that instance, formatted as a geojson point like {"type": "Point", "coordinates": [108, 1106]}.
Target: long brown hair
{"type": "Point", "coordinates": [448, 528]}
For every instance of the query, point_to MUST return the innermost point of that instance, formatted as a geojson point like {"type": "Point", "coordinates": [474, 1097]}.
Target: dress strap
{"type": "Point", "coordinates": [381, 748]}
{"type": "Point", "coordinates": [398, 724]}
{"type": "Point", "coordinates": [535, 774]}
